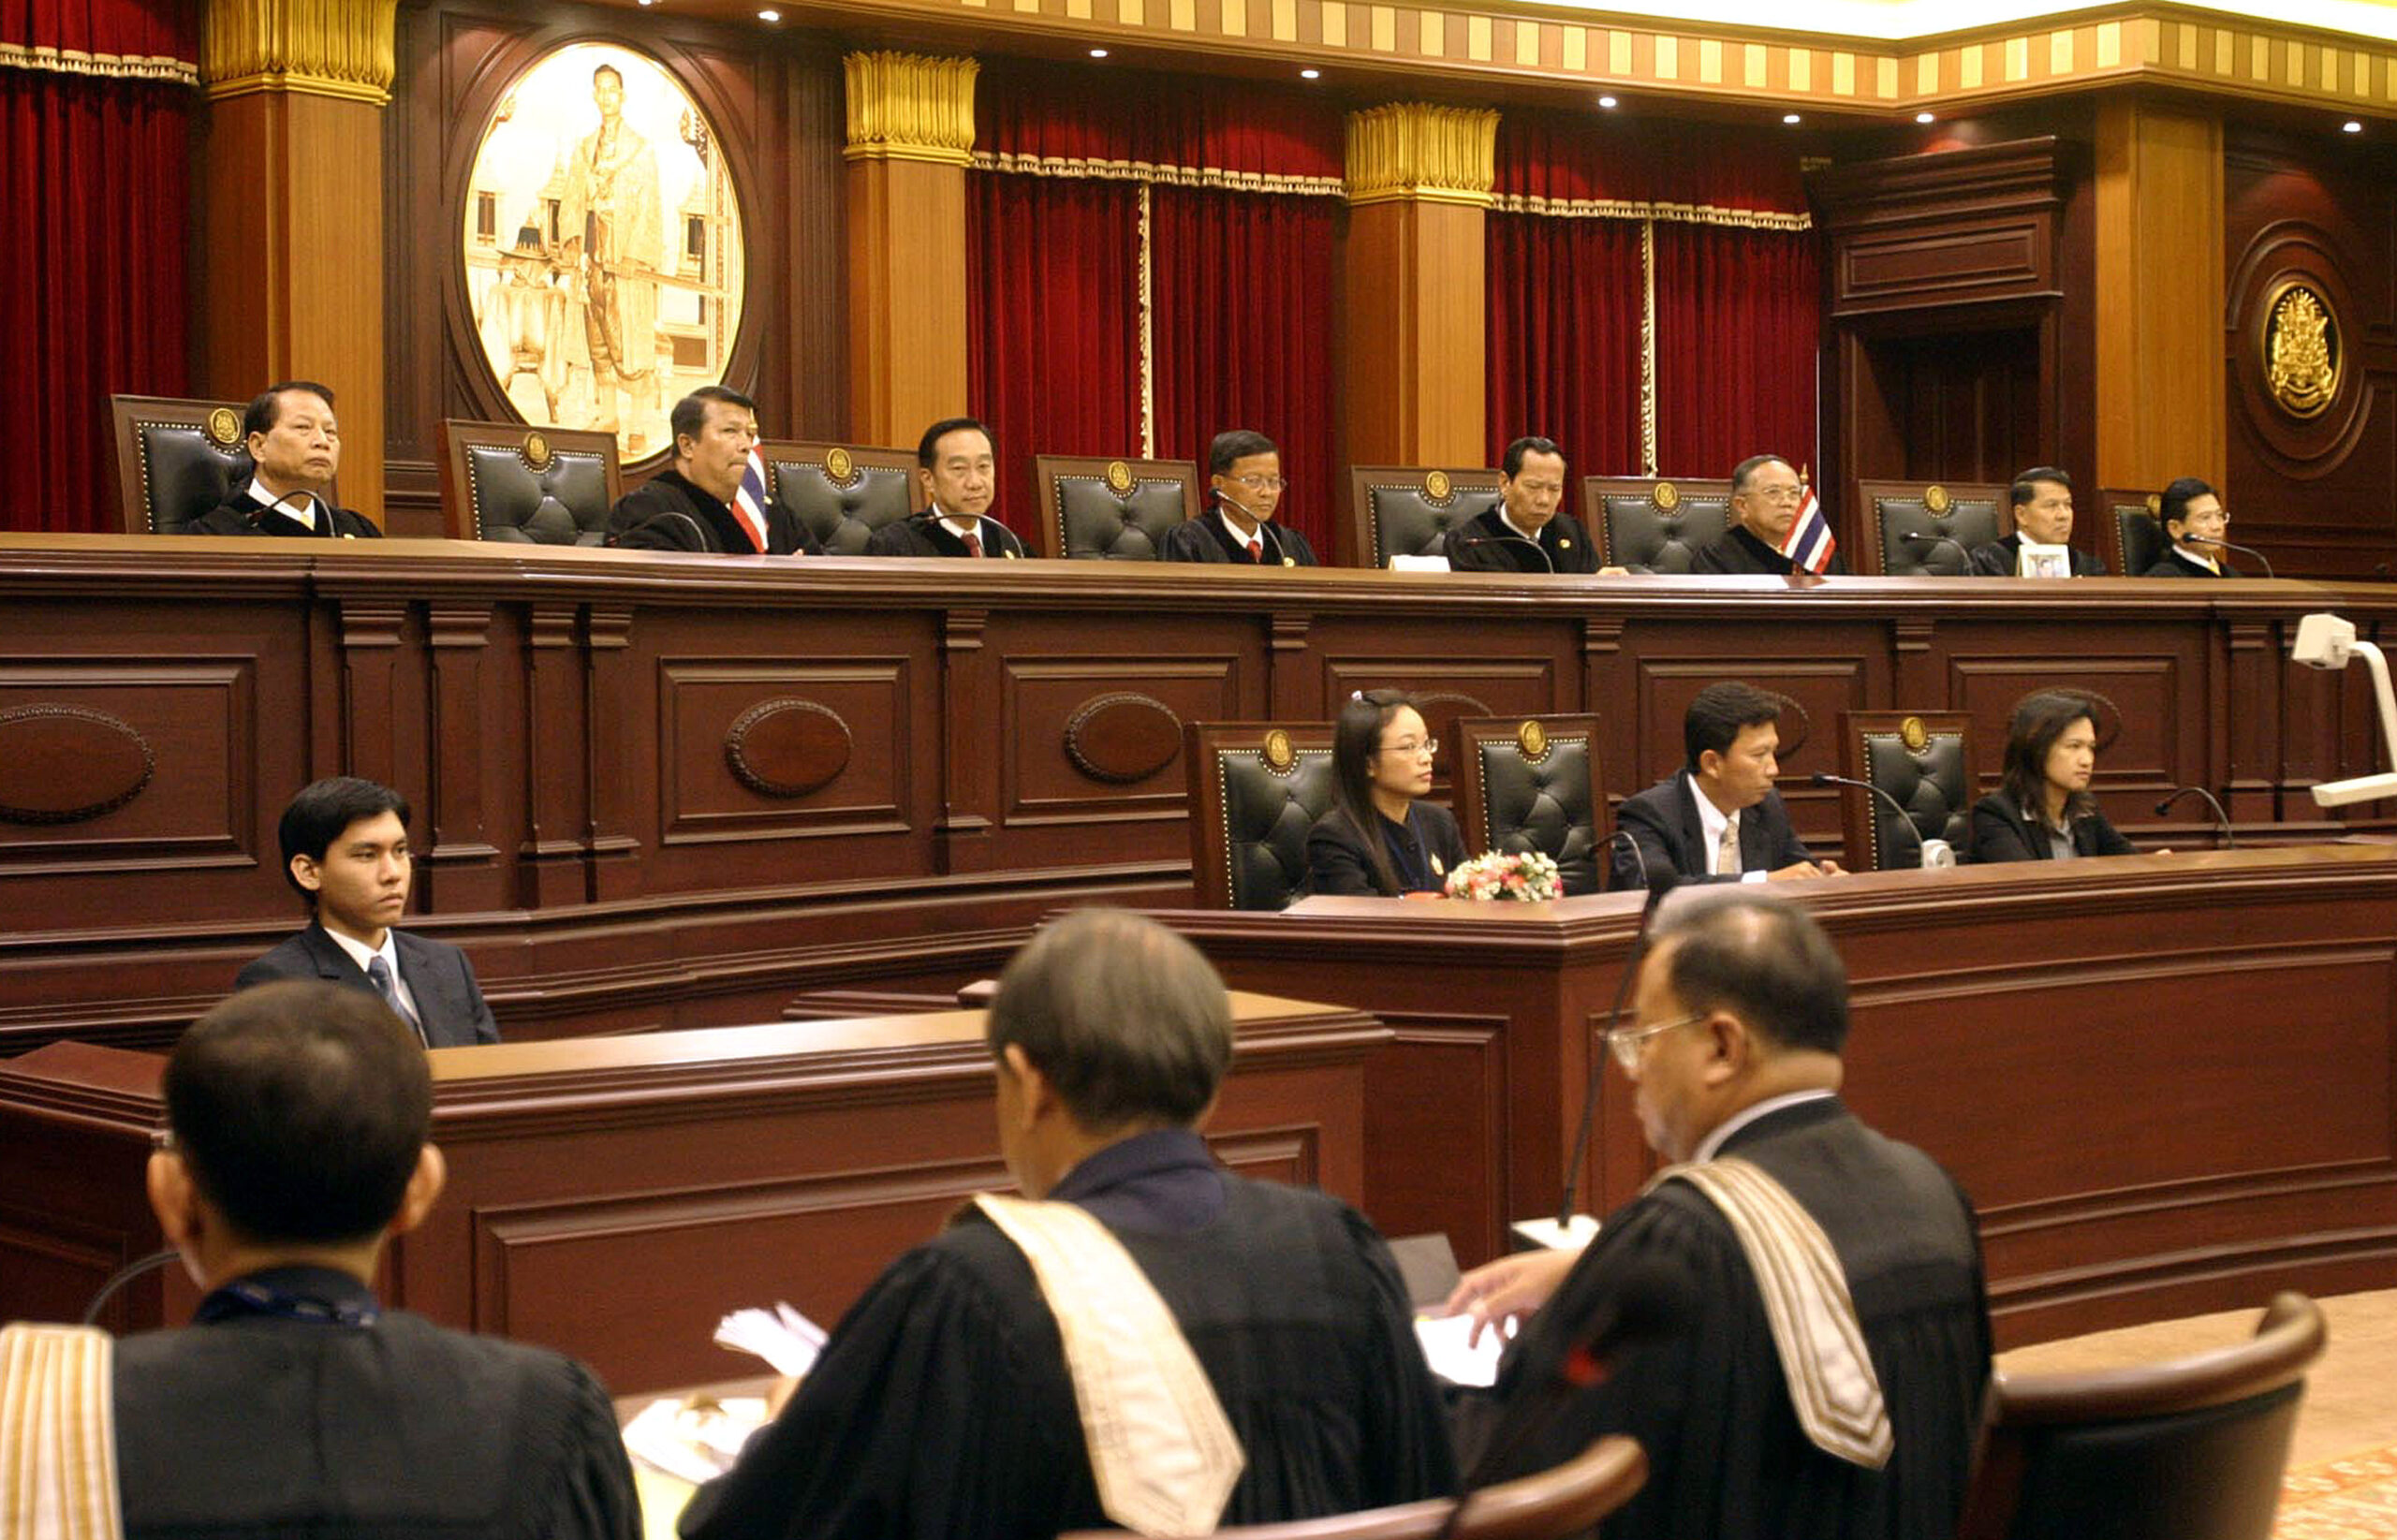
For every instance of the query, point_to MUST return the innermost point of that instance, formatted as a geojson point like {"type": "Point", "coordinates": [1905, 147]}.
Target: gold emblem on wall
{"type": "Point", "coordinates": [225, 426]}
{"type": "Point", "coordinates": [1436, 486]}
{"type": "Point", "coordinates": [1914, 735]}
{"type": "Point", "coordinates": [1119, 477]}
{"type": "Point", "coordinates": [1667, 496]}
{"type": "Point", "coordinates": [1533, 739]}
{"type": "Point", "coordinates": [838, 468]}
{"type": "Point", "coordinates": [1279, 755]}
{"type": "Point", "coordinates": [2156, 505]}
{"type": "Point", "coordinates": [537, 451]}
{"type": "Point", "coordinates": [1935, 497]}
{"type": "Point", "coordinates": [2302, 351]}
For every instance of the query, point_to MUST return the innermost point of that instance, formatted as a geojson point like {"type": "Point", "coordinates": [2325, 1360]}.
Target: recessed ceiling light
{"type": "Point", "coordinates": [2352, 127]}
{"type": "Point", "coordinates": [1310, 74]}
{"type": "Point", "coordinates": [1098, 53]}
{"type": "Point", "coordinates": [1606, 101]}
{"type": "Point", "coordinates": [1789, 117]}
{"type": "Point", "coordinates": [770, 16]}
{"type": "Point", "coordinates": [1926, 117]}
{"type": "Point", "coordinates": [649, 2]}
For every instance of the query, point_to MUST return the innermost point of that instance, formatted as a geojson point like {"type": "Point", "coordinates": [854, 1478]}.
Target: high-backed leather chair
{"type": "Point", "coordinates": [1563, 1499]}
{"type": "Point", "coordinates": [841, 493]}
{"type": "Point", "coordinates": [1255, 788]}
{"type": "Point", "coordinates": [174, 458]}
{"type": "Point", "coordinates": [1110, 509]}
{"type": "Point", "coordinates": [1408, 510]}
{"type": "Point", "coordinates": [2130, 534]}
{"type": "Point", "coordinates": [1531, 782]}
{"type": "Point", "coordinates": [532, 485]}
{"type": "Point", "coordinates": [2192, 1448]}
{"type": "Point", "coordinates": [1652, 524]}
{"type": "Point", "coordinates": [1928, 529]}
{"type": "Point", "coordinates": [1922, 758]}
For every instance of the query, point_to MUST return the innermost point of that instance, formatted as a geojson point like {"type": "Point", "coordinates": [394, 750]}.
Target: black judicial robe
{"type": "Point", "coordinates": [1735, 551]}
{"type": "Point", "coordinates": [2174, 565]}
{"type": "Point", "coordinates": [924, 535]}
{"type": "Point", "coordinates": [1486, 544]}
{"type": "Point", "coordinates": [241, 514]}
{"type": "Point", "coordinates": [1205, 540]}
{"type": "Point", "coordinates": [1702, 1386]}
{"type": "Point", "coordinates": [2004, 558]}
{"type": "Point", "coordinates": [671, 512]}
{"type": "Point", "coordinates": [1422, 852]}
{"type": "Point", "coordinates": [942, 1406]}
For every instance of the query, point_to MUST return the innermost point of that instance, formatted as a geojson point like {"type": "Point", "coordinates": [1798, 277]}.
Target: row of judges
{"type": "Point", "coordinates": [712, 498]}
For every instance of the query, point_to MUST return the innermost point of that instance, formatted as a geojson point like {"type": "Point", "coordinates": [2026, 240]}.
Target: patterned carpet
{"type": "Point", "coordinates": [2351, 1498]}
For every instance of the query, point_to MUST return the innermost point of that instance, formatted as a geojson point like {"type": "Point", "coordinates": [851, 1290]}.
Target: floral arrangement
{"type": "Point", "coordinates": [1499, 875]}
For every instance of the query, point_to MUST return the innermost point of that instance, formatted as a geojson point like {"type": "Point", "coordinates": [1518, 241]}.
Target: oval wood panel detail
{"type": "Point", "coordinates": [63, 764]}
{"type": "Point", "coordinates": [787, 747]}
{"type": "Point", "coordinates": [1122, 738]}
{"type": "Point", "coordinates": [1794, 727]}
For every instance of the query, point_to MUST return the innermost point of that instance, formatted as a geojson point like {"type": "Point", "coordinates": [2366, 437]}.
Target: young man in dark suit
{"type": "Point", "coordinates": [346, 849]}
{"type": "Point", "coordinates": [295, 447]}
{"type": "Point", "coordinates": [1719, 821]}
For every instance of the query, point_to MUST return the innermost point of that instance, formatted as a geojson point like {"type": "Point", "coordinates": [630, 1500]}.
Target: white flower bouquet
{"type": "Point", "coordinates": [1498, 874]}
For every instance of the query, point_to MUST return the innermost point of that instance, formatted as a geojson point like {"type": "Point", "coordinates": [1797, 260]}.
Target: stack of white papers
{"type": "Point", "coordinates": [781, 1336]}
{"type": "Point", "coordinates": [1444, 1349]}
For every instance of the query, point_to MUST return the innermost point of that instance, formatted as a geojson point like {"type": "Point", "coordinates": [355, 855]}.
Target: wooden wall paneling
{"type": "Point", "coordinates": [614, 744]}
{"type": "Point", "coordinates": [556, 794]}
{"type": "Point", "coordinates": [459, 865]}
{"type": "Point", "coordinates": [2249, 719]}
{"type": "Point", "coordinates": [1296, 686]}
{"type": "Point", "coordinates": [969, 771]}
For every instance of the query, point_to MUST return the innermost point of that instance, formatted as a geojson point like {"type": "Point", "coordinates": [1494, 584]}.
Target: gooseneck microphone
{"type": "Point", "coordinates": [125, 1275]}
{"type": "Point", "coordinates": [1657, 887]}
{"type": "Point", "coordinates": [2245, 550]}
{"type": "Point", "coordinates": [936, 514]}
{"type": "Point", "coordinates": [1931, 855]}
{"type": "Point", "coordinates": [1537, 550]}
{"type": "Point", "coordinates": [1935, 541]}
{"type": "Point", "coordinates": [1273, 542]}
{"type": "Point", "coordinates": [2221, 819]}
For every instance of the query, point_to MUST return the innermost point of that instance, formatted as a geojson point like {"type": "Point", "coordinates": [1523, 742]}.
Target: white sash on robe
{"type": "Point", "coordinates": [58, 1434]}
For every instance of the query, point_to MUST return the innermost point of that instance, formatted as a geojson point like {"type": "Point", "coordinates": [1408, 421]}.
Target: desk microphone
{"type": "Point", "coordinates": [2221, 819]}
{"type": "Point", "coordinates": [1664, 884]}
{"type": "Point", "coordinates": [2245, 550]}
{"type": "Point", "coordinates": [125, 1275]}
{"type": "Point", "coordinates": [1545, 559]}
{"type": "Point", "coordinates": [1938, 540]}
{"type": "Point", "coordinates": [936, 515]}
{"type": "Point", "coordinates": [1264, 526]}
{"type": "Point", "coordinates": [1932, 855]}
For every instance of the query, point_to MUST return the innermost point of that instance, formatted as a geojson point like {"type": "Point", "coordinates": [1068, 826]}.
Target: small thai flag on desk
{"type": "Point", "coordinates": [1810, 543]}
{"type": "Point", "coordinates": [749, 501]}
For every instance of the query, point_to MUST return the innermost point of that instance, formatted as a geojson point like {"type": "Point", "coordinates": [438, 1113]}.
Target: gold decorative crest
{"type": "Point", "coordinates": [225, 426]}
{"type": "Point", "coordinates": [838, 467]}
{"type": "Point", "coordinates": [1119, 477]}
{"type": "Point", "coordinates": [1914, 735]}
{"type": "Point", "coordinates": [2302, 351]}
{"type": "Point", "coordinates": [1436, 486]}
{"type": "Point", "coordinates": [1935, 497]}
{"type": "Point", "coordinates": [1533, 739]}
{"type": "Point", "coordinates": [1279, 755]}
{"type": "Point", "coordinates": [2156, 505]}
{"type": "Point", "coordinates": [1667, 496]}
{"type": "Point", "coordinates": [537, 451]}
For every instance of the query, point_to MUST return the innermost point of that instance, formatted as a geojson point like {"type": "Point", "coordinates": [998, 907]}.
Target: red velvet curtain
{"type": "Point", "coordinates": [93, 209]}
{"type": "Point", "coordinates": [1105, 115]}
{"type": "Point", "coordinates": [1563, 339]}
{"type": "Point", "coordinates": [1555, 154]}
{"type": "Point", "coordinates": [1241, 307]}
{"type": "Point", "coordinates": [1738, 329]}
{"type": "Point", "coordinates": [1052, 317]}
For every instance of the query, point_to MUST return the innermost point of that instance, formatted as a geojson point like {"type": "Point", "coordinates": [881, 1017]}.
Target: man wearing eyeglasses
{"type": "Point", "coordinates": [1792, 1318]}
{"type": "Point", "coordinates": [1765, 495]}
{"type": "Point", "coordinates": [1244, 489]}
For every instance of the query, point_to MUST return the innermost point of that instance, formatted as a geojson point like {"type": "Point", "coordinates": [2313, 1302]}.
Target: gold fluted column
{"type": "Point", "coordinates": [1419, 181]}
{"type": "Point", "coordinates": [291, 209]}
{"type": "Point", "coordinates": [911, 136]}
{"type": "Point", "coordinates": [2162, 398]}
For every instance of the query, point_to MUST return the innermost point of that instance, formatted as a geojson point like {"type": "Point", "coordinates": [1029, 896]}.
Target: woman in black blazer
{"type": "Point", "coordinates": [1379, 836]}
{"type": "Point", "coordinates": [2042, 810]}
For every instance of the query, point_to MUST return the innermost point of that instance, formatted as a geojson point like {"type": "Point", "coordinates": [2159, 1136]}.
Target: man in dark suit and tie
{"type": "Point", "coordinates": [346, 849]}
{"type": "Point", "coordinates": [1719, 821]}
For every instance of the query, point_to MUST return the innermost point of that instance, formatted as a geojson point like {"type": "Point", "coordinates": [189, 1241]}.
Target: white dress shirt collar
{"type": "Point", "coordinates": [1711, 1146]}
{"type": "Point", "coordinates": [299, 506]}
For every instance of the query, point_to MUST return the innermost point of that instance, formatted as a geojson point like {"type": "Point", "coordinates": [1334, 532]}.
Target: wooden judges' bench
{"type": "Point", "coordinates": [2166, 1080]}
{"type": "Point", "coordinates": [613, 1198]}
{"type": "Point", "coordinates": [658, 790]}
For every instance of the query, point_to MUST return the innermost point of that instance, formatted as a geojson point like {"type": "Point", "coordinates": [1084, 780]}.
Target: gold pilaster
{"type": "Point", "coordinates": [1419, 152]}
{"type": "Point", "coordinates": [909, 107]}
{"type": "Point", "coordinates": [341, 49]}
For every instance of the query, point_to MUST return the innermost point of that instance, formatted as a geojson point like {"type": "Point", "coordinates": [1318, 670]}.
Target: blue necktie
{"type": "Point", "coordinates": [378, 972]}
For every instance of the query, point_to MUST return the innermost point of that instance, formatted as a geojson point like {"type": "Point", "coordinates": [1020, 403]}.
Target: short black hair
{"type": "Point", "coordinates": [1530, 444]}
{"type": "Point", "coordinates": [301, 1109]}
{"type": "Point", "coordinates": [1746, 469]}
{"type": "Point", "coordinates": [1235, 445]}
{"type": "Point", "coordinates": [1764, 959]}
{"type": "Point", "coordinates": [2026, 486]}
{"type": "Point", "coordinates": [2174, 507]}
{"type": "Point", "coordinates": [690, 414]}
{"type": "Point", "coordinates": [266, 408]}
{"type": "Point", "coordinates": [1719, 712]}
{"type": "Point", "coordinates": [1124, 1018]}
{"type": "Point", "coordinates": [928, 447]}
{"type": "Point", "coordinates": [314, 819]}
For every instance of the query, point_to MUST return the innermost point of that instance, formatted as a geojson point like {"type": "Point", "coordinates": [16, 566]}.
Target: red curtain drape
{"type": "Point", "coordinates": [1738, 328]}
{"type": "Point", "coordinates": [1563, 338]}
{"type": "Point", "coordinates": [1052, 319]}
{"type": "Point", "coordinates": [93, 207]}
{"type": "Point", "coordinates": [1556, 155]}
{"type": "Point", "coordinates": [1241, 307]}
{"type": "Point", "coordinates": [1077, 112]}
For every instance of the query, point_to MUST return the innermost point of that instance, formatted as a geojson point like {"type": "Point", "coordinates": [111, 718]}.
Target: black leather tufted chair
{"type": "Point", "coordinates": [1936, 784]}
{"type": "Point", "coordinates": [2192, 1448]}
{"type": "Point", "coordinates": [1915, 529]}
{"type": "Point", "coordinates": [1110, 509]}
{"type": "Point", "coordinates": [1531, 782]}
{"type": "Point", "coordinates": [174, 458]}
{"type": "Point", "coordinates": [841, 493]}
{"type": "Point", "coordinates": [534, 486]}
{"type": "Point", "coordinates": [1408, 510]}
{"type": "Point", "coordinates": [1654, 523]}
{"type": "Point", "coordinates": [1255, 788]}
{"type": "Point", "coordinates": [2128, 536]}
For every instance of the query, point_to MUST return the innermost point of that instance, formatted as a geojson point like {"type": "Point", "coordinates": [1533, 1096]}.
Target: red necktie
{"type": "Point", "coordinates": [1257, 551]}
{"type": "Point", "coordinates": [973, 544]}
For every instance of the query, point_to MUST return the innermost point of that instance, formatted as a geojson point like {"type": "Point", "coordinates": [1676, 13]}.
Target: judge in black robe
{"type": "Point", "coordinates": [928, 535]}
{"type": "Point", "coordinates": [2192, 516]}
{"type": "Point", "coordinates": [1209, 537]}
{"type": "Point", "coordinates": [2004, 558]}
{"type": "Point", "coordinates": [1490, 544]}
{"type": "Point", "coordinates": [671, 512]}
{"type": "Point", "coordinates": [1736, 551]}
{"type": "Point", "coordinates": [2177, 562]}
{"type": "Point", "coordinates": [1244, 488]}
{"type": "Point", "coordinates": [294, 445]}
{"type": "Point", "coordinates": [249, 509]}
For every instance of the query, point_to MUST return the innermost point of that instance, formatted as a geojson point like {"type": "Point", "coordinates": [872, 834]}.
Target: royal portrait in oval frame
{"type": "Point", "coordinates": [602, 239]}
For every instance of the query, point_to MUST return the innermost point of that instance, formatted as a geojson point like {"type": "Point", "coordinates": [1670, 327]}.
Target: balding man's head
{"type": "Point", "coordinates": [1762, 960]}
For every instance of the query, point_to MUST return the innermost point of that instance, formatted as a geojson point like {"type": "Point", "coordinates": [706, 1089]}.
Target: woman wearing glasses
{"type": "Point", "coordinates": [2042, 810]}
{"type": "Point", "coordinates": [1379, 836]}
{"type": "Point", "coordinates": [1244, 489]}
